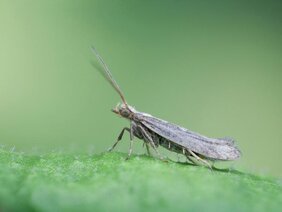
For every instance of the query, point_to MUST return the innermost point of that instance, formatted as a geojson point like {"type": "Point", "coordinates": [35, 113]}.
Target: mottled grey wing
{"type": "Point", "coordinates": [219, 149]}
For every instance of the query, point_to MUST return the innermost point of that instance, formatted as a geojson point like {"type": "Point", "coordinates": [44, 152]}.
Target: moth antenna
{"type": "Point", "coordinates": [109, 76]}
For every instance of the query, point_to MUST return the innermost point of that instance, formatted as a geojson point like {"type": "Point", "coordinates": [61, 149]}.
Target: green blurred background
{"type": "Point", "coordinates": [211, 66]}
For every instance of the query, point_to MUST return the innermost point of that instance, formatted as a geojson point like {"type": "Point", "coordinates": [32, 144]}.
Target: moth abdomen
{"type": "Point", "coordinates": [167, 144]}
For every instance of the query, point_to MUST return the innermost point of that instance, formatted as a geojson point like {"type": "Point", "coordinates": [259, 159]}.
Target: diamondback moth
{"type": "Point", "coordinates": [156, 132]}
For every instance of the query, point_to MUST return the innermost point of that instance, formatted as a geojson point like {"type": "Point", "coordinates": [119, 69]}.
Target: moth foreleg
{"type": "Point", "coordinates": [119, 138]}
{"type": "Point", "coordinates": [199, 159]}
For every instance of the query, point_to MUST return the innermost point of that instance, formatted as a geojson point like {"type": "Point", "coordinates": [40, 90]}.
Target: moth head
{"type": "Point", "coordinates": [124, 110]}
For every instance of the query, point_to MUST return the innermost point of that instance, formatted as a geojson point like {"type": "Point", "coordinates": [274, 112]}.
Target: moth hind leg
{"type": "Point", "coordinates": [200, 159]}
{"type": "Point", "coordinates": [188, 156]}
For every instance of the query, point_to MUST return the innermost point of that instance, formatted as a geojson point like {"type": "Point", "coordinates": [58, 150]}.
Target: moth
{"type": "Point", "coordinates": [156, 132]}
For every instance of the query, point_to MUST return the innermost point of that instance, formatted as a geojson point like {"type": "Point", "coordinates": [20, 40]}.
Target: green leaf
{"type": "Point", "coordinates": [106, 182]}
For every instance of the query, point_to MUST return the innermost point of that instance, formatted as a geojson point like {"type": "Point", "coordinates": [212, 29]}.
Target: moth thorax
{"type": "Point", "coordinates": [125, 112]}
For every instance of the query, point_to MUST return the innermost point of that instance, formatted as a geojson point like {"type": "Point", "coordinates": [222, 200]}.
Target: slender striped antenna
{"type": "Point", "coordinates": [109, 76]}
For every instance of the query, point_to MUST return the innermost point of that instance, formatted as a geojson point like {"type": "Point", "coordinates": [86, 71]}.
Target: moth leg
{"type": "Point", "coordinates": [131, 130]}
{"type": "Point", "coordinates": [199, 159]}
{"type": "Point", "coordinates": [155, 149]}
{"type": "Point", "coordinates": [119, 138]}
{"type": "Point", "coordinates": [131, 141]}
{"type": "Point", "coordinates": [150, 140]}
{"type": "Point", "coordinates": [188, 156]}
{"type": "Point", "coordinates": [190, 160]}
{"type": "Point", "coordinates": [148, 148]}
{"type": "Point", "coordinates": [130, 150]}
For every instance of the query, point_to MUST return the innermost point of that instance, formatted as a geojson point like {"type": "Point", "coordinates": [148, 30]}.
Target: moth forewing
{"type": "Point", "coordinates": [212, 148]}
